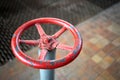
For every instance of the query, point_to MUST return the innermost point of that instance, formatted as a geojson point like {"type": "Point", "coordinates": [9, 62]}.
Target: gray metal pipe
{"type": "Point", "coordinates": [48, 74]}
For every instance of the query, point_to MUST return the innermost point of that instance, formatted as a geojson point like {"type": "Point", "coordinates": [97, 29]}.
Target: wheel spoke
{"type": "Point", "coordinates": [64, 47]}
{"type": "Point", "coordinates": [57, 34]}
{"type": "Point", "coordinates": [30, 42]}
{"type": "Point", "coordinates": [42, 54]}
{"type": "Point", "coordinates": [40, 29]}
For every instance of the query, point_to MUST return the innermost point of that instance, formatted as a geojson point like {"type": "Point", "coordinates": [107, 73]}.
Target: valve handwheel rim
{"type": "Point", "coordinates": [46, 42]}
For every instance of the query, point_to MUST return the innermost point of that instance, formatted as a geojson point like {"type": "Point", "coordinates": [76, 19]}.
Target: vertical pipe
{"type": "Point", "coordinates": [48, 74]}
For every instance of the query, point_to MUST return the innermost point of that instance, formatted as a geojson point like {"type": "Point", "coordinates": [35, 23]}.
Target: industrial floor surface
{"type": "Point", "coordinates": [99, 58]}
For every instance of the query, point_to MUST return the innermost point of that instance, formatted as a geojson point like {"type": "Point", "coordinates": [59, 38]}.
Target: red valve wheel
{"type": "Point", "coordinates": [46, 42]}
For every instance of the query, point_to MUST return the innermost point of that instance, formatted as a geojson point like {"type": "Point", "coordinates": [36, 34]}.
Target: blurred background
{"type": "Point", "coordinates": [98, 21]}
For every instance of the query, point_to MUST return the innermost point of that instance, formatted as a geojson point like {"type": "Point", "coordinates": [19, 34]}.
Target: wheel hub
{"type": "Point", "coordinates": [48, 43]}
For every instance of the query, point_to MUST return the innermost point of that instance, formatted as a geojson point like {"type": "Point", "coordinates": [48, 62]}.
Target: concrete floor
{"type": "Point", "coordinates": [99, 59]}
